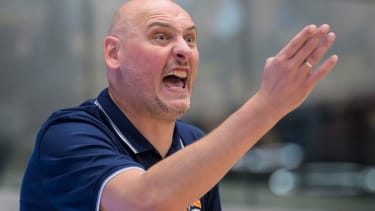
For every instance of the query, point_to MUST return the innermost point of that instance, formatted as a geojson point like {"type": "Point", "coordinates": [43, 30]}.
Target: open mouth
{"type": "Point", "coordinates": [176, 79]}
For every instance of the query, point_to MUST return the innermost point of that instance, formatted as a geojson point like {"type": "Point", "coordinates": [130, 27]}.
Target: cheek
{"type": "Point", "coordinates": [145, 59]}
{"type": "Point", "coordinates": [143, 67]}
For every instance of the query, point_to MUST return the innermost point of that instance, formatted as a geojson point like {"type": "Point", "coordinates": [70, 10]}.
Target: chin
{"type": "Point", "coordinates": [178, 111]}
{"type": "Point", "coordinates": [172, 114]}
{"type": "Point", "coordinates": [183, 106]}
{"type": "Point", "coordinates": [175, 108]}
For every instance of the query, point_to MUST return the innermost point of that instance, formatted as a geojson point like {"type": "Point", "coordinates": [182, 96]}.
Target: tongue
{"type": "Point", "coordinates": [172, 81]}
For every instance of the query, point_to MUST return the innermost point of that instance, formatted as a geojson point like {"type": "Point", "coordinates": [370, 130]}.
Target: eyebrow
{"type": "Point", "coordinates": [166, 25]}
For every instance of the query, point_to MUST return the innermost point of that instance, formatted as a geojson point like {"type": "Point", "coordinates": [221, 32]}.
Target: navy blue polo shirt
{"type": "Point", "coordinates": [78, 150]}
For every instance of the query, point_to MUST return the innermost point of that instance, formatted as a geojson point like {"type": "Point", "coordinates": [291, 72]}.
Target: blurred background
{"type": "Point", "coordinates": [320, 157]}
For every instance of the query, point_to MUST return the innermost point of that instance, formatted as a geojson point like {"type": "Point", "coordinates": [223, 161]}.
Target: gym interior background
{"type": "Point", "coordinates": [320, 157]}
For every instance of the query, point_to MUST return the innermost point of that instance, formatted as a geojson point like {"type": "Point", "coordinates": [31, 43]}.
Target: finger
{"type": "Point", "coordinates": [306, 67]}
{"type": "Point", "coordinates": [319, 52]}
{"type": "Point", "coordinates": [323, 69]}
{"type": "Point", "coordinates": [311, 45]}
{"type": "Point", "coordinates": [295, 44]}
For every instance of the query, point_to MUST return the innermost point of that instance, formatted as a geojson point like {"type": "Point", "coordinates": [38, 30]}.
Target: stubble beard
{"type": "Point", "coordinates": [167, 112]}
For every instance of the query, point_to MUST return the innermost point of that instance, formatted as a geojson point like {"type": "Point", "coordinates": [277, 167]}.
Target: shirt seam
{"type": "Point", "coordinates": [108, 179]}
{"type": "Point", "coordinates": [117, 130]}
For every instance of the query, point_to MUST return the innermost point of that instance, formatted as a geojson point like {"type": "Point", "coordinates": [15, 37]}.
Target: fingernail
{"type": "Point", "coordinates": [325, 27]}
{"type": "Point", "coordinates": [311, 28]}
{"type": "Point", "coordinates": [334, 58]}
{"type": "Point", "coordinates": [332, 35]}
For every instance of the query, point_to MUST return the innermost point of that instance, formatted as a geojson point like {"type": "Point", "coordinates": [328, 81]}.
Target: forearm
{"type": "Point", "coordinates": [200, 166]}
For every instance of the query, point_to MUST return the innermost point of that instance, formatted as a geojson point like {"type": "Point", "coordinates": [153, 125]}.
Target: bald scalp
{"type": "Point", "coordinates": [120, 19]}
{"type": "Point", "coordinates": [124, 16]}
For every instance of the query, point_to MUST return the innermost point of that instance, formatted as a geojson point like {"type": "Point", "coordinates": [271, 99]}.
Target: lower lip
{"type": "Point", "coordinates": [177, 90]}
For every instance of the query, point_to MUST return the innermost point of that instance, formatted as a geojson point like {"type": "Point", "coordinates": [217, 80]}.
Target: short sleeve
{"type": "Point", "coordinates": [75, 160]}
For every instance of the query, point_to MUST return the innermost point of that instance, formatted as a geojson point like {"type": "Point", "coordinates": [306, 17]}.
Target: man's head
{"type": "Point", "coordinates": [152, 58]}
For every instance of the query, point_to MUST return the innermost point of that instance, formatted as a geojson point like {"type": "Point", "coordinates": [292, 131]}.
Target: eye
{"type": "Point", "coordinates": [190, 40]}
{"type": "Point", "coordinates": [160, 37]}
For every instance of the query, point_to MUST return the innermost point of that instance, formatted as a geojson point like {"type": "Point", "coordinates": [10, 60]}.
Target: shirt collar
{"type": "Point", "coordinates": [126, 131]}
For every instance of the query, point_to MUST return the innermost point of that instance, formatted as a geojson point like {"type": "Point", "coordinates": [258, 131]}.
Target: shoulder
{"type": "Point", "coordinates": [72, 126]}
{"type": "Point", "coordinates": [86, 113]}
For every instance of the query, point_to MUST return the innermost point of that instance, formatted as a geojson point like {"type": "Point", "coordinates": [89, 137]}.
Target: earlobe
{"type": "Point", "coordinates": [111, 52]}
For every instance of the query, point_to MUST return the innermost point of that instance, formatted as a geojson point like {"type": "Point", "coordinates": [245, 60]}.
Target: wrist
{"type": "Point", "coordinates": [266, 107]}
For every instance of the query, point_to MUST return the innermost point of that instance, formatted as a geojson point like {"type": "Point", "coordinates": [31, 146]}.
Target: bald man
{"type": "Point", "coordinates": [127, 150]}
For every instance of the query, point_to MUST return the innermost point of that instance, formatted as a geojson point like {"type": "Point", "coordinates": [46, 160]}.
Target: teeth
{"type": "Point", "coordinates": [179, 74]}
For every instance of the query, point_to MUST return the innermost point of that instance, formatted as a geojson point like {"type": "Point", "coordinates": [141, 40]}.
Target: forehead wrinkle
{"type": "Point", "coordinates": [167, 25]}
{"type": "Point", "coordinates": [167, 13]}
{"type": "Point", "coordinates": [159, 18]}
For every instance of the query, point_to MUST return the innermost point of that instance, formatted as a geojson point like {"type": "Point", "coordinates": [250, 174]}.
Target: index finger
{"type": "Point", "coordinates": [296, 43]}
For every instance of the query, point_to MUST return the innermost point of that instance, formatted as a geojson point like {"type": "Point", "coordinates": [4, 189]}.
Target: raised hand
{"type": "Point", "coordinates": [290, 76]}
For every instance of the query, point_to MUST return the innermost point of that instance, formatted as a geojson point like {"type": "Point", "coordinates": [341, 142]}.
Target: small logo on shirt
{"type": "Point", "coordinates": [195, 207]}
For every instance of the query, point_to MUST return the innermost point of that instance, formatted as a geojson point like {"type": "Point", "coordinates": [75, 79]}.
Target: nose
{"type": "Point", "coordinates": [182, 51]}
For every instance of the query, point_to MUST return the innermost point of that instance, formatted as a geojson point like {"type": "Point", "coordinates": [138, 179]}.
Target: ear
{"type": "Point", "coordinates": [111, 52]}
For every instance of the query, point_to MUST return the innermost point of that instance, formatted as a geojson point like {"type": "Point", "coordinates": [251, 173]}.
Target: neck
{"type": "Point", "coordinates": [159, 132]}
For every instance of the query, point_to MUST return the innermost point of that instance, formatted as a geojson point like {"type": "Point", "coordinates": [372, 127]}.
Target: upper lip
{"type": "Point", "coordinates": [180, 72]}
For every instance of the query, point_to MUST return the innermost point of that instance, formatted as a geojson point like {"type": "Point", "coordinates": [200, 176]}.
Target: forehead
{"type": "Point", "coordinates": [165, 13]}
